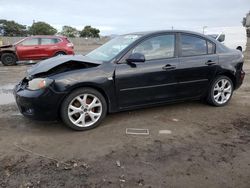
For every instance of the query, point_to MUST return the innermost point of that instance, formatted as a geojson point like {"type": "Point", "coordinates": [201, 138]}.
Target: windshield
{"type": "Point", "coordinates": [20, 41]}
{"type": "Point", "coordinates": [214, 36]}
{"type": "Point", "coordinates": [112, 48]}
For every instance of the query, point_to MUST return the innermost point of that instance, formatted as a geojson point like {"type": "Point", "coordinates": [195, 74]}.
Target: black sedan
{"type": "Point", "coordinates": [131, 71]}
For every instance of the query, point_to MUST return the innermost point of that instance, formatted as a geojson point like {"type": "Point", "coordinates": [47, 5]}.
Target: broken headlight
{"type": "Point", "coordinates": [39, 83]}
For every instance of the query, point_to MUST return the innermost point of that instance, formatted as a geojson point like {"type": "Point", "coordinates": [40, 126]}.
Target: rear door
{"type": "Point", "coordinates": [152, 81]}
{"type": "Point", "coordinates": [197, 65]}
{"type": "Point", "coordinates": [48, 47]}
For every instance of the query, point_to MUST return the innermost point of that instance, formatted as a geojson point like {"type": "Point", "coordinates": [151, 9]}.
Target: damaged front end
{"type": "Point", "coordinates": [63, 63]}
{"type": "Point", "coordinates": [7, 46]}
{"type": "Point", "coordinates": [36, 95]}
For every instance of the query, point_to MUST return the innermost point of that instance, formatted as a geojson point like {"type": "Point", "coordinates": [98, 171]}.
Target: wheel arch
{"type": "Point", "coordinates": [8, 51]}
{"type": "Point", "coordinates": [229, 75]}
{"type": "Point", "coordinates": [59, 51]}
{"type": "Point", "coordinates": [87, 85]}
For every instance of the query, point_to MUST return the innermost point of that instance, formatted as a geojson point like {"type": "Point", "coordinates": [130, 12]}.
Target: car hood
{"type": "Point", "coordinates": [48, 64]}
{"type": "Point", "coordinates": [6, 46]}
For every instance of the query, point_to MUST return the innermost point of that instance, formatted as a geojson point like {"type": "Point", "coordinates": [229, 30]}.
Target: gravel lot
{"type": "Point", "coordinates": [204, 147]}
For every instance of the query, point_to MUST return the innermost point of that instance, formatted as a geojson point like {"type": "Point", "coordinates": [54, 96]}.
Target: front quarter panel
{"type": "Point", "coordinates": [100, 78]}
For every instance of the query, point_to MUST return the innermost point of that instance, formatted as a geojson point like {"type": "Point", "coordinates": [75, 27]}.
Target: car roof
{"type": "Point", "coordinates": [149, 33]}
{"type": "Point", "coordinates": [165, 31]}
{"type": "Point", "coordinates": [46, 36]}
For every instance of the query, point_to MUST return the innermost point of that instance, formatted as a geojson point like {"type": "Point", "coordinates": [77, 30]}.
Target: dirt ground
{"type": "Point", "coordinates": [204, 146]}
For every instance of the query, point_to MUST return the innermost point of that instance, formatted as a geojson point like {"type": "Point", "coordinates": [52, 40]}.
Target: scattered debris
{"type": "Point", "coordinates": [122, 179]}
{"type": "Point", "coordinates": [141, 182]}
{"type": "Point", "coordinates": [40, 155]}
{"type": "Point", "coordinates": [135, 131]}
{"type": "Point", "coordinates": [175, 120]}
{"type": "Point", "coordinates": [28, 185]}
{"type": "Point", "coordinates": [118, 163]}
{"type": "Point", "coordinates": [165, 132]}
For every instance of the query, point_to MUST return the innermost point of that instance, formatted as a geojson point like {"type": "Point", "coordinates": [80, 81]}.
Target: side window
{"type": "Point", "coordinates": [210, 48]}
{"type": "Point", "coordinates": [191, 45]}
{"type": "Point", "coordinates": [159, 47]}
{"type": "Point", "coordinates": [56, 40]}
{"type": "Point", "coordinates": [48, 41]}
{"type": "Point", "coordinates": [30, 42]}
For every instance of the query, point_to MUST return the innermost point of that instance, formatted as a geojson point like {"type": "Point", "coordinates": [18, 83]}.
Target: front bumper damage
{"type": "Point", "coordinates": [43, 104]}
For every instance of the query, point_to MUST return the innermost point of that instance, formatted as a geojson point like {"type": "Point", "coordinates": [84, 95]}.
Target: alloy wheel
{"type": "Point", "coordinates": [85, 110]}
{"type": "Point", "coordinates": [222, 91]}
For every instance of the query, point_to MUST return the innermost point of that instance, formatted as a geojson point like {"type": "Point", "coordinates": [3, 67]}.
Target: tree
{"type": "Point", "coordinates": [69, 31]}
{"type": "Point", "coordinates": [246, 20]}
{"type": "Point", "coordinates": [90, 32]}
{"type": "Point", "coordinates": [12, 29]}
{"type": "Point", "coordinates": [42, 28]}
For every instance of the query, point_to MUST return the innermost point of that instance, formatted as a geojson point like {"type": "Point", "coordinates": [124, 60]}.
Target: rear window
{"type": "Point", "coordinates": [192, 45]}
{"type": "Point", "coordinates": [47, 41]}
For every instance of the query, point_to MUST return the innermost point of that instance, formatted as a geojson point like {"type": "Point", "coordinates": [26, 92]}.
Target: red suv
{"type": "Point", "coordinates": [35, 48]}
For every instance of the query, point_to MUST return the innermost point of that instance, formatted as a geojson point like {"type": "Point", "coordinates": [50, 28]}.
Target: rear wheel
{"type": "Point", "coordinates": [8, 59]}
{"type": "Point", "coordinates": [60, 53]}
{"type": "Point", "coordinates": [220, 91]}
{"type": "Point", "coordinates": [83, 109]}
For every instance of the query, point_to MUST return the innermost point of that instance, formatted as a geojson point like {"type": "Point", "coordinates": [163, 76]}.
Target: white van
{"type": "Point", "coordinates": [232, 37]}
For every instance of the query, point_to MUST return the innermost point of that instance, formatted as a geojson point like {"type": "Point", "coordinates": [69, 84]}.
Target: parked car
{"type": "Point", "coordinates": [35, 48]}
{"type": "Point", "coordinates": [230, 37]}
{"type": "Point", "coordinates": [129, 72]}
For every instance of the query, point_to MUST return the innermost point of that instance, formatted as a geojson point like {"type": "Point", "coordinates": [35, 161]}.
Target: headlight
{"type": "Point", "coordinates": [39, 83]}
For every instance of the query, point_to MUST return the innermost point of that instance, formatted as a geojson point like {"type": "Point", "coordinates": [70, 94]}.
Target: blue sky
{"type": "Point", "coordinates": [118, 17]}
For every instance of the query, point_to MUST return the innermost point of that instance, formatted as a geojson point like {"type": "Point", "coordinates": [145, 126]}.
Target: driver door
{"type": "Point", "coordinates": [153, 81]}
{"type": "Point", "coordinates": [28, 49]}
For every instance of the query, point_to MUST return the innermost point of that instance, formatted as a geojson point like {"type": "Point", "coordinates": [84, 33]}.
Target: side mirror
{"type": "Point", "coordinates": [221, 38]}
{"type": "Point", "coordinates": [136, 58]}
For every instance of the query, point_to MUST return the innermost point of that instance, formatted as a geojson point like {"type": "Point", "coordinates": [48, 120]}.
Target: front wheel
{"type": "Point", "coordinates": [8, 59]}
{"type": "Point", "coordinates": [83, 109]}
{"type": "Point", "coordinates": [220, 91]}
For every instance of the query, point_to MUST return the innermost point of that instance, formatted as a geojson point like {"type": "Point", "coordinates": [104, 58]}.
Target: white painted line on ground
{"type": "Point", "coordinates": [165, 132]}
{"type": "Point", "coordinates": [135, 131]}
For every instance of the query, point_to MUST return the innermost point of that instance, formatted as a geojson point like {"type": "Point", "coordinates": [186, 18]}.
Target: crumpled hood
{"type": "Point", "coordinates": [7, 46]}
{"type": "Point", "coordinates": [46, 65]}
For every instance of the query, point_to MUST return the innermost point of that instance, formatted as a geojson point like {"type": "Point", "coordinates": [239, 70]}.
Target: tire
{"type": "Point", "coordinates": [8, 59]}
{"type": "Point", "coordinates": [219, 95]}
{"type": "Point", "coordinates": [76, 108]}
{"type": "Point", "coordinates": [239, 48]}
{"type": "Point", "coordinates": [60, 53]}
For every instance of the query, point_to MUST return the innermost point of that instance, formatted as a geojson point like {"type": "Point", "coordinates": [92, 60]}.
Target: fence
{"type": "Point", "coordinates": [81, 45]}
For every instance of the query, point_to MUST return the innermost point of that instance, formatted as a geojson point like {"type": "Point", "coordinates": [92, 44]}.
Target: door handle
{"type": "Point", "coordinates": [210, 62]}
{"type": "Point", "coordinates": [169, 67]}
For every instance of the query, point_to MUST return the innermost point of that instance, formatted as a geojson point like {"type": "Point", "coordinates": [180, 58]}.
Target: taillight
{"type": "Point", "coordinates": [70, 45]}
